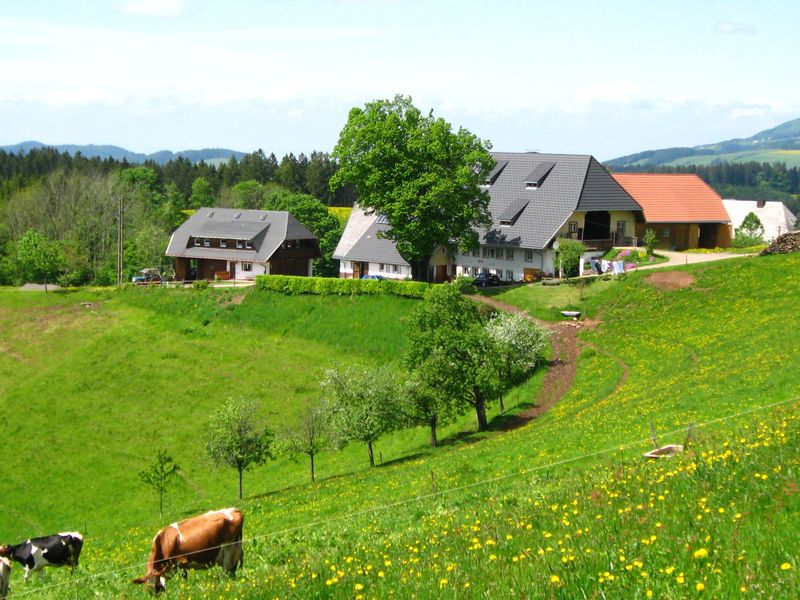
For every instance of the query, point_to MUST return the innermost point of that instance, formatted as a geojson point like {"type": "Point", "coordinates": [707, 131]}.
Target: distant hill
{"type": "Point", "coordinates": [209, 155]}
{"type": "Point", "coordinates": [779, 144]}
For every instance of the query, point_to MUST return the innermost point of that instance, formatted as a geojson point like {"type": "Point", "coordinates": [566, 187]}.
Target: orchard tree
{"type": "Point", "coordinates": [310, 436]}
{"type": "Point", "coordinates": [39, 260]}
{"type": "Point", "coordinates": [236, 440]}
{"type": "Point", "coordinates": [414, 169]}
{"type": "Point", "coordinates": [569, 256]}
{"type": "Point", "coordinates": [158, 474]}
{"type": "Point", "coordinates": [521, 344]}
{"type": "Point", "coordinates": [451, 352]}
{"type": "Point", "coordinates": [423, 405]}
{"type": "Point", "coordinates": [361, 405]}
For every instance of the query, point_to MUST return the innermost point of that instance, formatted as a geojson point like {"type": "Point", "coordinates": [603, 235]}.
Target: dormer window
{"type": "Point", "coordinates": [206, 243]}
{"type": "Point", "coordinates": [505, 222]}
{"type": "Point", "coordinates": [248, 245]}
{"type": "Point", "coordinates": [223, 243]}
{"type": "Point", "coordinates": [540, 172]}
{"type": "Point", "coordinates": [495, 172]}
{"type": "Point", "coordinates": [239, 244]}
{"type": "Point", "coordinates": [197, 242]}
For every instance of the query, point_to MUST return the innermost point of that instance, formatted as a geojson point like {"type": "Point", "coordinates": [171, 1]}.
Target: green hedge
{"type": "Point", "coordinates": [292, 285]}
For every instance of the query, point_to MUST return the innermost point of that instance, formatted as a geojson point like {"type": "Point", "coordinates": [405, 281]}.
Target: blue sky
{"type": "Point", "coordinates": [604, 78]}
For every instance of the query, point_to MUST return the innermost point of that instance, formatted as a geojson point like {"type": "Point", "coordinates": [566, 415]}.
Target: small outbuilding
{"type": "Point", "coordinates": [682, 209]}
{"type": "Point", "coordinates": [229, 243]}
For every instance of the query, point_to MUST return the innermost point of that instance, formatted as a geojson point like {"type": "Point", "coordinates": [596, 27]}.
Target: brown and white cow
{"type": "Point", "coordinates": [214, 538]}
{"type": "Point", "coordinates": [5, 571]}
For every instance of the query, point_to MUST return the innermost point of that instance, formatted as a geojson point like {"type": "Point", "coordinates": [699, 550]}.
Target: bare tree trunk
{"type": "Point", "coordinates": [420, 269]}
{"type": "Point", "coordinates": [480, 409]}
{"type": "Point", "coordinates": [371, 455]}
{"type": "Point", "coordinates": [434, 440]}
{"type": "Point", "coordinates": [240, 483]}
{"type": "Point", "coordinates": [311, 455]}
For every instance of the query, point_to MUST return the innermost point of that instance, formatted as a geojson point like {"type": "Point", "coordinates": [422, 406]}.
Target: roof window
{"type": "Point", "coordinates": [540, 172]}
{"type": "Point", "coordinates": [237, 215]}
{"type": "Point", "coordinates": [210, 214]}
{"type": "Point", "coordinates": [495, 172]}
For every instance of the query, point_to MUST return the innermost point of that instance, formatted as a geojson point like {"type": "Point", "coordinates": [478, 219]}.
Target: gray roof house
{"type": "Point", "coordinates": [534, 199]}
{"type": "Point", "coordinates": [228, 243]}
{"type": "Point", "coordinates": [361, 251]}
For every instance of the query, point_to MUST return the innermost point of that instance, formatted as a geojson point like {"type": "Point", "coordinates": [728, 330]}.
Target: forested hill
{"type": "Point", "coordinates": [106, 151]}
{"type": "Point", "coordinates": [776, 145]}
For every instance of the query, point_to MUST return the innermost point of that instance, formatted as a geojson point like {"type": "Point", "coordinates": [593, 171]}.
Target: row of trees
{"type": "Point", "coordinates": [459, 359]}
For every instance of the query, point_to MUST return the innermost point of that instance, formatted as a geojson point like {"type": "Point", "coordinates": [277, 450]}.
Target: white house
{"type": "Point", "coordinates": [774, 216]}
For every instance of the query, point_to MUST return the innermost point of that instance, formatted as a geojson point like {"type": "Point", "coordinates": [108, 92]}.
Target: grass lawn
{"type": "Point", "coordinates": [564, 507]}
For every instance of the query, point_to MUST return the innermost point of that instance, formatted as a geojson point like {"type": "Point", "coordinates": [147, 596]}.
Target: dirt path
{"type": "Point", "coordinates": [561, 368]}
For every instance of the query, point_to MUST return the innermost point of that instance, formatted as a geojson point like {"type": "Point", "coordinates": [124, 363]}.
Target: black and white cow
{"type": "Point", "coordinates": [49, 551]}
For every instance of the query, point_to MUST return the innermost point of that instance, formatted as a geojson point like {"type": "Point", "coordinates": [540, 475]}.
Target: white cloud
{"type": "Point", "coordinates": [735, 28]}
{"type": "Point", "coordinates": [154, 8]}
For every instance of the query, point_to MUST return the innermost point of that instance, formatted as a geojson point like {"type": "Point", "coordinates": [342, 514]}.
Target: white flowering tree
{"type": "Point", "coordinates": [520, 343]}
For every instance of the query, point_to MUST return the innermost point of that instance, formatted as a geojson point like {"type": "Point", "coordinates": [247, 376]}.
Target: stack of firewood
{"type": "Point", "coordinates": [788, 242]}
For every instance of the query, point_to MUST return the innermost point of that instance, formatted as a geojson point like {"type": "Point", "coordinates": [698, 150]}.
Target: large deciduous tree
{"type": "Point", "coordinates": [414, 169]}
{"type": "Point", "coordinates": [235, 439]}
{"type": "Point", "coordinates": [750, 232]}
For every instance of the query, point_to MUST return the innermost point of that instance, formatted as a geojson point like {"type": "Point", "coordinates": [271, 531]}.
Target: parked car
{"type": "Point", "coordinates": [373, 277]}
{"type": "Point", "coordinates": [147, 276]}
{"type": "Point", "coordinates": [485, 279]}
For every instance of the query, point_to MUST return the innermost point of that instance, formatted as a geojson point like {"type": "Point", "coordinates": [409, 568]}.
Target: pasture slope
{"type": "Point", "coordinates": [562, 508]}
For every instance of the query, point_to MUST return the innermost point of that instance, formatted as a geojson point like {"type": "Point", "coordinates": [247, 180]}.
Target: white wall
{"type": "Point", "coordinates": [258, 269]}
{"type": "Point", "coordinates": [404, 272]}
{"type": "Point", "coordinates": [542, 260]}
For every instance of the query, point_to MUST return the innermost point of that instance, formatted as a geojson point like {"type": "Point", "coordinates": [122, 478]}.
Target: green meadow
{"type": "Point", "coordinates": [564, 507]}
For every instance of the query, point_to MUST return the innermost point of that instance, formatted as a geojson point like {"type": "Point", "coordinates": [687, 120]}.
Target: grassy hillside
{"type": "Point", "coordinates": [564, 507]}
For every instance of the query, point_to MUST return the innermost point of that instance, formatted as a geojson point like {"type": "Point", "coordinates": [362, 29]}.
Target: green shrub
{"type": "Point", "coordinates": [650, 240]}
{"type": "Point", "coordinates": [292, 285]}
{"type": "Point", "coordinates": [465, 285]}
{"type": "Point", "coordinates": [200, 284]}
{"type": "Point", "coordinates": [568, 256]}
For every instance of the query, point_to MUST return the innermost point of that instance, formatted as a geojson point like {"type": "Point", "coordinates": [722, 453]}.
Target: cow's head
{"type": "Point", "coordinates": [5, 551]}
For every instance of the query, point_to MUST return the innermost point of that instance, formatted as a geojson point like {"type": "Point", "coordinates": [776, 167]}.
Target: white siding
{"type": "Point", "coordinates": [258, 269]}
{"type": "Point", "coordinates": [542, 260]}
{"type": "Point", "coordinates": [403, 272]}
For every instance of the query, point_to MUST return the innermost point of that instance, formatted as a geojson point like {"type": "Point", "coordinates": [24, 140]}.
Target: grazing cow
{"type": "Point", "coordinates": [5, 571]}
{"type": "Point", "coordinates": [49, 551]}
{"type": "Point", "coordinates": [196, 543]}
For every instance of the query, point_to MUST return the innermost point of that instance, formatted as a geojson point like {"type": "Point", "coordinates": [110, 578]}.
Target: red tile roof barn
{"type": "Point", "coordinates": [674, 198]}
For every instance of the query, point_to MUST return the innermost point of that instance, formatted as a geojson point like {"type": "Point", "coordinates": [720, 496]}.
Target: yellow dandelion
{"type": "Point", "coordinates": [785, 567]}
{"type": "Point", "coordinates": [701, 553]}
{"type": "Point", "coordinates": [555, 578]}
{"type": "Point", "coordinates": [700, 586]}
